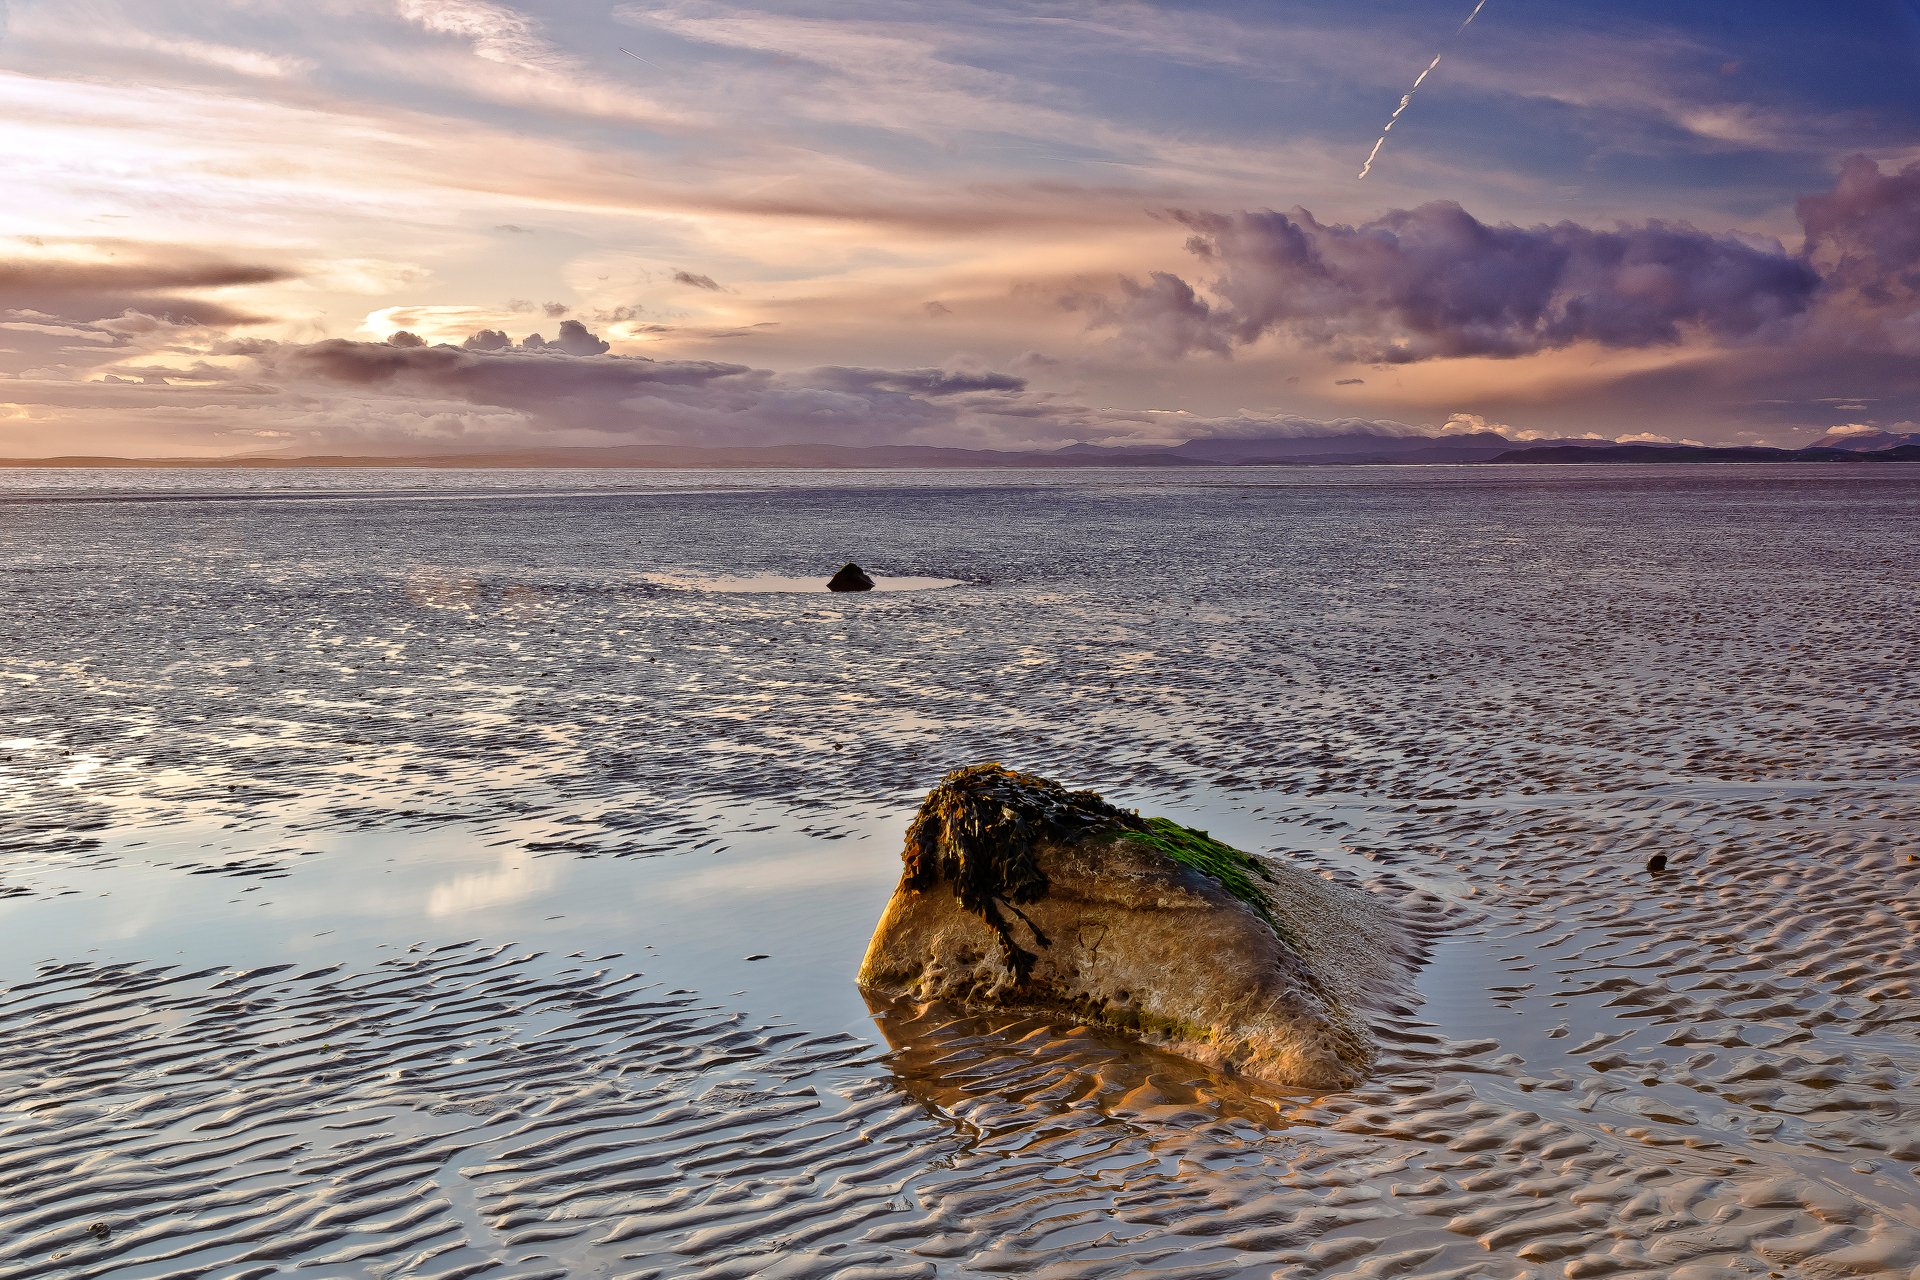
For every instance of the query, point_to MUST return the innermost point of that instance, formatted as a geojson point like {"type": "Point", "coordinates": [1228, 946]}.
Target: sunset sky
{"type": "Point", "coordinates": [892, 221]}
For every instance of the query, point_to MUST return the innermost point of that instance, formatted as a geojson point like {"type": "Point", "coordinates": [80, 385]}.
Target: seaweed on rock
{"type": "Point", "coordinates": [977, 830]}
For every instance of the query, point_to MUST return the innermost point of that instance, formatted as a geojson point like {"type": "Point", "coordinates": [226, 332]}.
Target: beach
{"type": "Point", "coordinates": [457, 873]}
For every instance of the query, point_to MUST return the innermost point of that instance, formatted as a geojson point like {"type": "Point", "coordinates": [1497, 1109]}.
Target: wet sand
{"type": "Point", "coordinates": [380, 877]}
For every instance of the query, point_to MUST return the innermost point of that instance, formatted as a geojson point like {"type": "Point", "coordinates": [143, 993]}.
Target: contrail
{"type": "Point", "coordinates": [1407, 98]}
{"type": "Point", "coordinates": [657, 67]}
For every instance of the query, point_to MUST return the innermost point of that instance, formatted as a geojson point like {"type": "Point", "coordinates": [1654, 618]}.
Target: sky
{"type": "Point", "coordinates": [380, 226]}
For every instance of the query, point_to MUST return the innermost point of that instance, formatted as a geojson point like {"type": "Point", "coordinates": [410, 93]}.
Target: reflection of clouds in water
{"type": "Point", "coordinates": [517, 878]}
{"type": "Point", "coordinates": [82, 766]}
{"type": "Point", "coordinates": [732, 879]}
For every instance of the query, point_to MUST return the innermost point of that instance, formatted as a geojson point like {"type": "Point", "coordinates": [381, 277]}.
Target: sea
{"type": "Point", "coordinates": [458, 873]}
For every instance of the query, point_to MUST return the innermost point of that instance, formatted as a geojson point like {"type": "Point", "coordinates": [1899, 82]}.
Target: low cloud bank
{"type": "Point", "coordinates": [573, 384]}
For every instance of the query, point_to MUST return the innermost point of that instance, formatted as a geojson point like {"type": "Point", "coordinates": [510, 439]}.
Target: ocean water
{"type": "Point", "coordinates": [447, 873]}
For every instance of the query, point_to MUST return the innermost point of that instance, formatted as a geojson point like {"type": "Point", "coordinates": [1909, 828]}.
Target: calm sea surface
{"type": "Point", "coordinates": [462, 873]}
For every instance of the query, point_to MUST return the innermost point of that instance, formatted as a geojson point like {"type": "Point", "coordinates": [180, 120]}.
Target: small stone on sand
{"type": "Point", "coordinates": [851, 577]}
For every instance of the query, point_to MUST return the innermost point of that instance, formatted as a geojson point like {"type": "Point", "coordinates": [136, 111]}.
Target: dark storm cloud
{"type": "Point", "coordinates": [85, 292]}
{"type": "Point", "coordinates": [1418, 284]}
{"type": "Point", "coordinates": [697, 281]}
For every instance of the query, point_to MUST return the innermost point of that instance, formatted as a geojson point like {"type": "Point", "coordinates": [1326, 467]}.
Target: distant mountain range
{"type": "Point", "coordinates": [1865, 441]}
{"type": "Point", "coordinates": [1326, 449]}
{"type": "Point", "coordinates": [1708, 453]}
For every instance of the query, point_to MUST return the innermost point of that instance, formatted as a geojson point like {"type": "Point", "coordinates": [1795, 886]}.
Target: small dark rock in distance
{"type": "Point", "coordinates": [850, 578]}
{"type": "Point", "coordinates": [1657, 863]}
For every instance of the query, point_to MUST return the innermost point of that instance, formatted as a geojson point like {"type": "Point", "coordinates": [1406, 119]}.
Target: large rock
{"type": "Point", "coordinates": [1020, 894]}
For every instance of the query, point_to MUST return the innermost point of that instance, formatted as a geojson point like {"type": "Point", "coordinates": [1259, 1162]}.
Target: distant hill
{"type": "Point", "coordinates": [1326, 449]}
{"type": "Point", "coordinates": [1706, 453]}
{"type": "Point", "coordinates": [640, 456]}
{"type": "Point", "coordinates": [1347, 447]}
{"type": "Point", "coordinates": [1865, 441]}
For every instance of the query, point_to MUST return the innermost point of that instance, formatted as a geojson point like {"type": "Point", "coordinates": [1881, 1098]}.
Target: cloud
{"type": "Point", "coordinates": [574, 340]}
{"type": "Point", "coordinates": [921, 382]}
{"type": "Point", "coordinates": [78, 290]}
{"type": "Point", "coordinates": [337, 395]}
{"type": "Point", "coordinates": [1865, 236]}
{"type": "Point", "coordinates": [615, 397]}
{"type": "Point", "coordinates": [1434, 281]}
{"type": "Point", "coordinates": [1867, 229]}
{"type": "Point", "coordinates": [495, 32]}
{"type": "Point", "coordinates": [696, 281]}
{"type": "Point", "coordinates": [582, 393]}
{"type": "Point", "coordinates": [1166, 315]}
{"type": "Point", "coordinates": [1466, 424]}
{"type": "Point", "coordinates": [1653, 437]}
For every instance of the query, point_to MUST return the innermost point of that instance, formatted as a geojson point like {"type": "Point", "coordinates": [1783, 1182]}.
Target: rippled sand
{"type": "Point", "coordinates": [380, 878]}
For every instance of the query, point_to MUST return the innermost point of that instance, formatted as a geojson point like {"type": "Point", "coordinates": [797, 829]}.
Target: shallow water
{"type": "Point", "coordinates": [381, 869]}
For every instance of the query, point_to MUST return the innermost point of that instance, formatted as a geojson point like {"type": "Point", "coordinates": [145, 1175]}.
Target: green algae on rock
{"type": "Point", "coordinates": [1020, 894]}
{"type": "Point", "coordinates": [1237, 872]}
